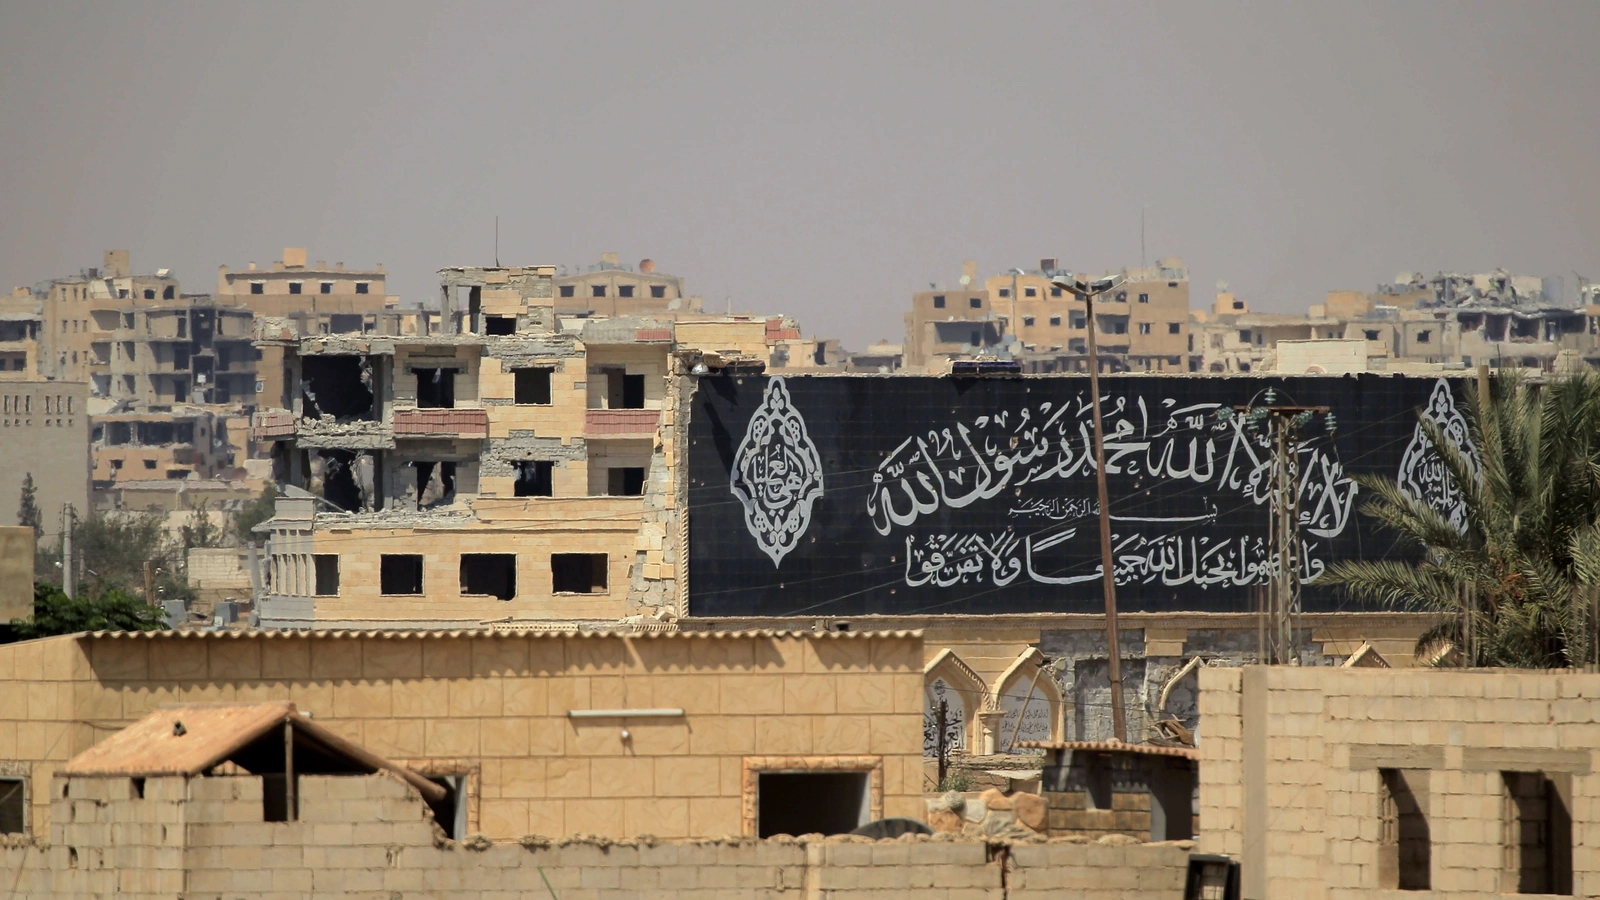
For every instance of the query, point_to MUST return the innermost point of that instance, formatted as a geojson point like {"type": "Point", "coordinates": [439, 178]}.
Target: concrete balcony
{"type": "Point", "coordinates": [614, 423]}
{"type": "Point", "coordinates": [463, 423]}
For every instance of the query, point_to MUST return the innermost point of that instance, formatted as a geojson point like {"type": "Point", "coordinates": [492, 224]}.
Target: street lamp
{"type": "Point", "coordinates": [1088, 291]}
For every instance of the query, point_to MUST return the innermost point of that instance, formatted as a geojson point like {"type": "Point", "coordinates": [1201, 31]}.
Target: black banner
{"type": "Point", "coordinates": [849, 495]}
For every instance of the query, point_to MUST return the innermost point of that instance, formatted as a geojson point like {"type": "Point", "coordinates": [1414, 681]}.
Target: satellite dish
{"type": "Point", "coordinates": [1222, 286]}
{"type": "Point", "coordinates": [966, 280]}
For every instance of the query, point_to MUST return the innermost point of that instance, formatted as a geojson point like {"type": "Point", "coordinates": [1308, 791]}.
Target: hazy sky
{"type": "Point", "coordinates": [814, 159]}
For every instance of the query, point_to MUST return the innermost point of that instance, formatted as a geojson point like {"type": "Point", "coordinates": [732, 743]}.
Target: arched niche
{"type": "Point", "coordinates": [1026, 690]}
{"type": "Point", "coordinates": [946, 677]}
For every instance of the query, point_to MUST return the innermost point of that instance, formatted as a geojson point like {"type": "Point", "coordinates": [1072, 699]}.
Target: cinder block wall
{"type": "Point", "coordinates": [1290, 763]}
{"type": "Point", "coordinates": [493, 707]}
{"type": "Point", "coordinates": [369, 836]}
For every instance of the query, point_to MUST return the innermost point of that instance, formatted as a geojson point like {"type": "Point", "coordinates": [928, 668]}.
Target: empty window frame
{"type": "Point", "coordinates": [1538, 833]}
{"type": "Point", "coordinates": [327, 566]}
{"type": "Point", "coordinates": [436, 388]}
{"type": "Point", "coordinates": [500, 325]}
{"type": "Point", "coordinates": [1424, 337]}
{"type": "Point", "coordinates": [13, 806]}
{"type": "Point", "coordinates": [624, 391]}
{"type": "Point", "coordinates": [1244, 335]}
{"type": "Point", "coordinates": [535, 478]}
{"type": "Point", "coordinates": [1405, 848]}
{"type": "Point", "coordinates": [1174, 327]}
{"type": "Point", "coordinates": [938, 301]}
{"type": "Point", "coordinates": [1055, 292]}
{"type": "Point", "coordinates": [567, 290]}
{"type": "Point", "coordinates": [1005, 292]}
{"type": "Point", "coordinates": [1144, 298]}
{"type": "Point", "coordinates": [258, 287]}
{"type": "Point", "coordinates": [1027, 321]}
{"type": "Point", "coordinates": [533, 386]}
{"type": "Point", "coordinates": [361, 287]}
{"type": "Point", "coordinates": [975, 302]}
{"type": "Point", "coordinates": [149, 293]}
{"type": "Point", "coordinates": [624, 290]}
{"type": "Point", "coordinates": [1055, 321]}
{"type": "Point", "coordinates": [327, 287]}
{"type": "Point", "coordinates": [400, 573]}
{"type": "Point", "coordinates": [1030, 292]}
{"type": "Point", "coordinates": [491, 574]}
{"type": "Point", "coordinates": [625, 481]}
{"type": "Point", "coordinates": [295, 287]}
{"type": "Point", "coordinates": [597, 290]}
{"type": "Point", "coordinates": [578, 573]}
{"type": "Point", "coordinates": [1144, 327]}
{"type": "Point", "coordinates": [1370, 335]}
{"type": "Point", "coordinates": [658, 291]}
{"type": "Point", "coordinates": [812, 802]}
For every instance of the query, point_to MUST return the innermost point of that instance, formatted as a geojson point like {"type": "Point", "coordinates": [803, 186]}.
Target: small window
{"type": "Point", "coordinates": [500, 325]}
{"type": "Point", "coordinates": [1424, 336]}
{"type": "Point", "coordinates": [127, 320]}
{"type": "Point", "coordinates": [1078, 322]}
{"type": "Point", "coordinates": [1238, 304]}
{"type": "Point", "coordinates": [1005, 292]}
{"type": "Point", "coordinates": [361, 287]}
{"type": "Point", "coordinates": [1538, 834]}
{"type": "Point", "coordinates": [149, 464]}
{"type": "Point", "coordinates": [1055, 292]}
{"type": "Point", "coordinates": [327, 287]}
{"type": "Point", "coordinates": [1030, 292]}
{"type": "Point", "coordinates": [149, 293]}
{"type": "Point", "coordinates": [436, 388]}
{"type": "Point", "coordinates": [400, 573]}
{"type": "Point", "coordinates": [1244, 335]}
{"type": "Point", "coordinates": [1144, 298]}
{"type": "Point", "coordinates": [1027, 321]}
{"type": "Point", "coordinates": [535, 478]}
{"type": "Point", "coordinates": [258, 287]}
{"type": "Point", "coordinates": [533, 386]}
{"type": "Point", "coordinates": [597, 290]}
{"type": "Point", "coordinates": [811, 802]}
{"type": "Point", "coordinates": [294, 287]}
{"type": "Point", "coordinates": [658, 290]}
{"type": "Point", "coordinates": [1119, 327]}
{"type": "Point", "coordinates": [1174, 328]}
{"type": "Point", "coordinates": [122, 293]}
{"type": "Point", "coordinates": [1144, 327]}
{"type": "Point", "coordinates": [566, 290]}
{"type": "Point", "coordinates": [327, 573]}
{"type": "Point", "coordinates": [624, 290]}
{"type": "Point", "coordinates": [167, 292]}
{"type": "Point", "coordinates": [1405, 848]}
{"type": "Point", "coordinates": [1370, 335]}
{"type": "Point", "coordinates": [494, 574]}
{"type": "Point", "coordinates": [625, 481]}
{"type": "Point", "coordinates": [13, 806]}
{"type": "Point", "coordinates": [1055, 321]}
{"type": "Point", "coordinates": [976, 302]}
{"type": "Point", "coordinates": [578, 573]}
{"type": "Point", "coordinates": [938, 301]}
{"type": "Point", "coordinates": [633, 392]}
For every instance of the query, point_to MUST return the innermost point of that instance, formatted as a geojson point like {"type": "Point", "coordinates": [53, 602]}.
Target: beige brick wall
{"type": "Point", "coordinates": [1290, 758]}
{"type": "Point", "coordinates": [367, 836]}
{"type": "Point", "coordinates": [497, 706]}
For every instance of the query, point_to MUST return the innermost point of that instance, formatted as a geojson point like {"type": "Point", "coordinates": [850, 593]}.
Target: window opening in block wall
{"type": "Point", "coordinates": [578, 573]}
{"type": "Point", "coordinates": [500, 325]}
{"type": "Point", "coordinates": [400, 573]}
{"type": "Point", "coordinates": [493, 574]}
{"type": "Point", "coordinates": [624, 290]}
{"type": "Point", "coordinates": [625, 481]}
{"type": "Point", "coordinates": [533, 386]}
{"type": "Point", "coordinates": [597, 290]}
{"type": "Point", "coordinates": [327, 287]}
{"type": "Point", "coordinates": [567, 290]}
{"type": "Point", "coordinates": [451, 812]}
{"type": "Point", "coordinates": [13, 805]}
{"type": "Point", "coordinates": [436, 388]}
{"type": "Point", "coordinates": [658, 290]}
{"type": "Point", "coordinates": [327, 565]}
{"type": "Point", "coordinates": [361, 287]}
{"type": "Point", "coordinates": [535, 478]}
{"type": "Point", "coordinates": [433, 491]}
{"type": "Point", "coordinates": [938, 301]}
{"type": "Point", "coordinates": [975, 302]}
{"type": "Point", "coordinates": [624, 391]}
{"type": "Point", "coordinates": [294, 287]}
{"type": "Point", "coordinates": [797, 803]}
{"type": "Point", "coordinates": [1538, 833]}
{"type": "Point", "coordinates": [1405, 847]}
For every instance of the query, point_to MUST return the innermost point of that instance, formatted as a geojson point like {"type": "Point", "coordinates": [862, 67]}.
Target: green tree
{"type": "Point", "coordinates": [111, 610]}
{"type": "Point", "coordinates": [28, 509]}
{"type": "Point", "coordinates": [254, 513]}
{"type": "Point", "coordinates": [200, 530]}
{"type": "Point", "coordinates": [1520, 584]}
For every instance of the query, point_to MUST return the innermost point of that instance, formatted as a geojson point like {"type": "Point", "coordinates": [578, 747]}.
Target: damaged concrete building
{"type": "Point", "coordinates": [498, 463]}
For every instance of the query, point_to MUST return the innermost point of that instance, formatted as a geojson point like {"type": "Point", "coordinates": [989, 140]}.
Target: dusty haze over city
{"type": "Point", "coordinates": [819, 160]}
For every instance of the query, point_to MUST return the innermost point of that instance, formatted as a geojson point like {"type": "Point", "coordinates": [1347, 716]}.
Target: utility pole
{"type": "Point", "coordinates": [1088, 292]}
{"type": "Point", "coordinates": [69, 579]}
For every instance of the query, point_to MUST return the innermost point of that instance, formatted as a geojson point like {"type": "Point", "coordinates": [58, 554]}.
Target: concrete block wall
{"type": "Point", "coordinates": [1290, 762]}
{"type": "Point", "coordinates": [371, 836]}
{"type": "Point", "coordinates": [494, 707]}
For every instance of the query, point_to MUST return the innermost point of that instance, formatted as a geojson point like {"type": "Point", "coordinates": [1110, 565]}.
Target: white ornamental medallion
{"type": "Point", "coordinates": [1422, 472]}
{"type": "Point", "coordinates": [776, 474]}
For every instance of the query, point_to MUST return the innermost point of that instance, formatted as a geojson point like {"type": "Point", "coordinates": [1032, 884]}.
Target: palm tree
{"type": "Point", "coordinates": [1518, 584]}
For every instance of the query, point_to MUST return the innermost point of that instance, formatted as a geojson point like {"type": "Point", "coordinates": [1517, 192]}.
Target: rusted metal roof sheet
{"type": "Point", "coordinates": [1113, 747]}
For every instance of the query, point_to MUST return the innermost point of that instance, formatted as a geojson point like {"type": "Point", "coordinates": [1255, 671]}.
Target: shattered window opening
{"type": "Point", "coordinates": [493, 574]}
{"type": "Point", "coordinates": [431, 491]}
{"type": "Point", "coordinates": [578, 573]}
{"type": "Point", "coordinates": [345, 478]}
{"type": "Point", "coordinates": [535, 478]}
{"type": "Point", "coordinates": [533, 386]}
{"type": "Point", "coordinates": [400, 573]}
{"type": "Point", "coordinates": [500, 325]}
{"type": "Point", "coordinates": [337, 386]}
{"type": "Point", "coordinates": [625, 481]}
{"type": "Point", "coordinates": [436, 388]}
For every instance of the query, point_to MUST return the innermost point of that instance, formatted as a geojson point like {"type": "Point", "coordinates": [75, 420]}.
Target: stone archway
{"type": "Point", "coordinates": [1026, 691]}
{"type": "Point", "coordinates": [948, 678]}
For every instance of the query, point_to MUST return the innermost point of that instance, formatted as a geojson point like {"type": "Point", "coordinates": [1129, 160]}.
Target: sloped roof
{"type": "Point", "coordinates": [1113, 747]}
{"type": "Point", "coordinates": [191, 739]}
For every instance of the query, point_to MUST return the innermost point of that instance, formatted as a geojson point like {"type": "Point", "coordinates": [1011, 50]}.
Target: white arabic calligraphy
{"type": "Point", "coordinates": [1422, 472]}
{"type": "Point", "coordinates": [777, 474]}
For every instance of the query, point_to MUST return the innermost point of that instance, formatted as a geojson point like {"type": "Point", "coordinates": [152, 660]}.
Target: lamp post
{"type": "Point", "coordinates": [1088, 291]}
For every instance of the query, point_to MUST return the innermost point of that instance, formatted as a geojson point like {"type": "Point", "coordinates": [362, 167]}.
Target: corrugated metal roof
{"type": "Point", "coordinates": [1112, 747]}
{"type": "Point", "coordinates": [337, 634]}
